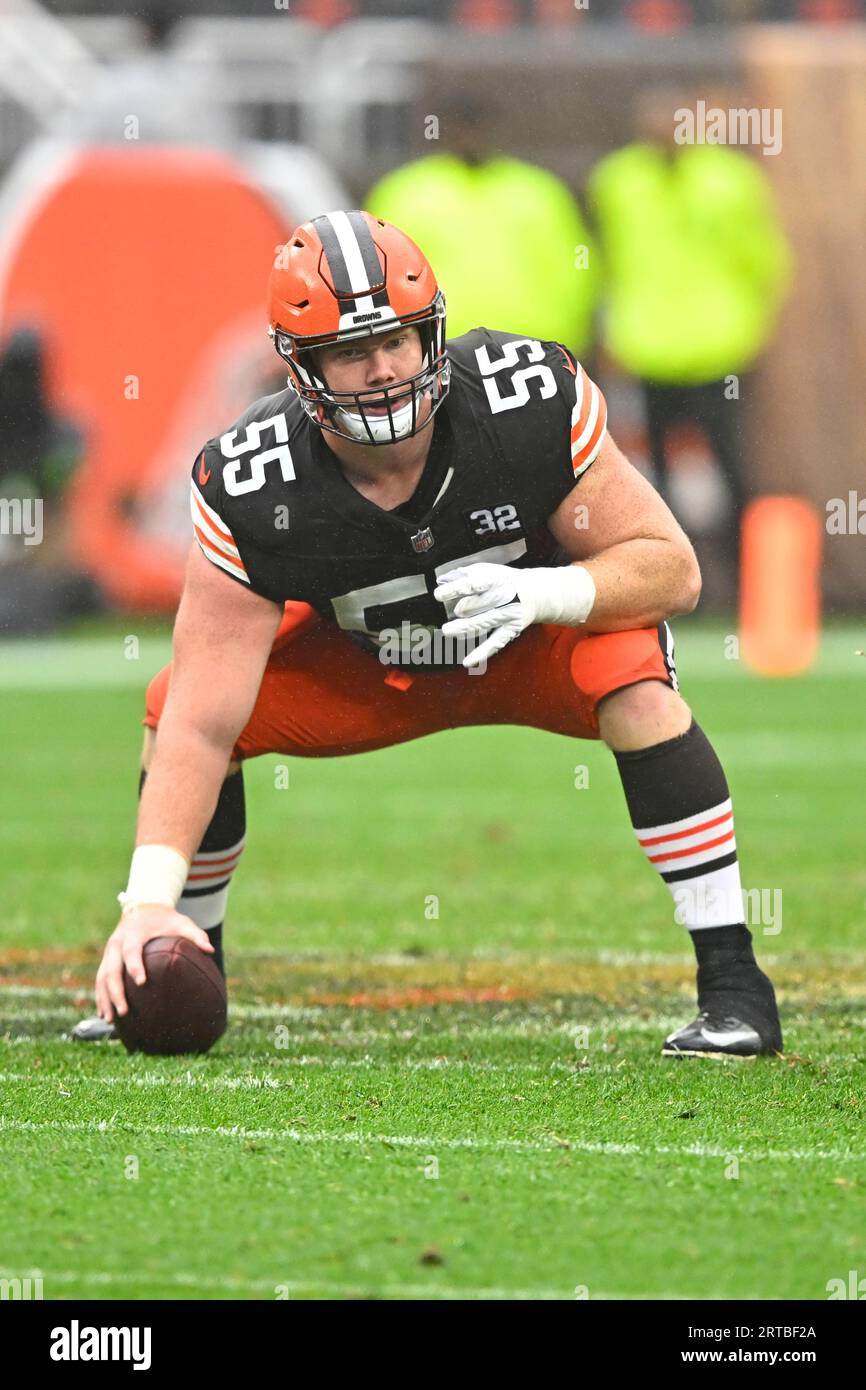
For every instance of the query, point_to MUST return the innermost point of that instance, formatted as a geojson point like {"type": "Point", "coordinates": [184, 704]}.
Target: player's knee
{"type": "Point", "coordinates": [641, 697]}
{"type": "Point", "coordinates": [642, 714]}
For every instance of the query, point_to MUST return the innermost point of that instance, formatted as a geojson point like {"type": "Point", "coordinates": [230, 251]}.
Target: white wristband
{"type": "Point", "coordinates": [157, 874]}
{"type": "Point", "coordinates": [563, 595]}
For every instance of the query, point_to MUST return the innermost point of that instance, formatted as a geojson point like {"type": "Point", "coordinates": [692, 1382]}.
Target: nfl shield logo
{"type": "Point", "coordinates": [422, 540]}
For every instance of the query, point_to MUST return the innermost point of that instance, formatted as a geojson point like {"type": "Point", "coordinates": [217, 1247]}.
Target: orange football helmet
{"type": "Point", "coordinates": [347, 275]}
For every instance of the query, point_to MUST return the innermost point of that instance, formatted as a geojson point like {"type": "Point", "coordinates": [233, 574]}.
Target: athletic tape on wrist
{"type": "Point", "coordinates": [564, 594]}
{"type": "Point", "coordinates": [157, 875]}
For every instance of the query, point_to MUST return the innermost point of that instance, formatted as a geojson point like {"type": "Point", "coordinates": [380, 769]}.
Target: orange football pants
{"type": "Point", "coordinates": [323, 696]}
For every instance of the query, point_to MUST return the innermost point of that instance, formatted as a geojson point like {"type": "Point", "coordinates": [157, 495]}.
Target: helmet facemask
{"type": "Point", "coordinates": [346, 413]}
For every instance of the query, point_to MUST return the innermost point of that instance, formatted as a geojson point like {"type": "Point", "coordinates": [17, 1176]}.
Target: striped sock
{"type": "Point", "coordinates": [680, 807]}
{"type": "Point", "coordinates": [681, 810]}
{"type": "Point", "coordinates": [206, 891]}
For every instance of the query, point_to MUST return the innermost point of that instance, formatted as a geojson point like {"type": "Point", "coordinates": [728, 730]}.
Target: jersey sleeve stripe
{"type": "Point", "coordinates": [215, 531]}
{"type": "Point", "coordinates": [204, 527]}
{"type": "Point", "coordinates": [214, 537]}
{"type": "Point", "coordinates": [588, 424]}
{"type": "Point", "coordinates": [217, 547]}
{"type": "Point", "coordinates": [212, 518]}
{"type": "Point", "coordinates": [589, 456]}
{"type": "Point", "coordinates": [591, 435]}
{"type": "Point", "coordinates": [219, 558]}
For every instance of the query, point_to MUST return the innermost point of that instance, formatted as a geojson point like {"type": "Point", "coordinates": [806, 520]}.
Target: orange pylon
{"type": "Point", "coordinates": [780, 585]}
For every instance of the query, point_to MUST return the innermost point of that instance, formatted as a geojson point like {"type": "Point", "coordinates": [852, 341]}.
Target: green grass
{"type": "Point", "coordinates": [468, 1104]}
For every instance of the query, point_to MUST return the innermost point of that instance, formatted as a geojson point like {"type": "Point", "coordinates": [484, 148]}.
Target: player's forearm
{"type": "Point", "coordinates": [641, 582]}
{"type": "Point", "coordinates": [182, 787]}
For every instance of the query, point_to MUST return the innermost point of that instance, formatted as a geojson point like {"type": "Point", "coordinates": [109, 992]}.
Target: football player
{"type": "Point", "coordinates": [418, 535]}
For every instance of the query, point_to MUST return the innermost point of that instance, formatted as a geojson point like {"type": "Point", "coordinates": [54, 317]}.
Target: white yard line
{"type": "Point", "coordinates": [457, 1038]}
{"type": "Point", "coordinates": [230, 1083]}
{"type": "Point", "coordinates": [254, 1012]}
{"type": "Point", "coordinates": [183, 1280]}
{"type": "Point", "coordinates": [311, 1059]}
{"type": "Point", "coordinates": [310, 1062]}
{"type": "Point", "coordinates": [360, 1037]}
{"type": "Point", "coordinates": [43, 991]}
{"type": "Point", "coordinates": [374, 1036]}
{"type": "Point", "coordinates": [541, 1027]}
{"type": "Point", "coordinates": [428, 1143]}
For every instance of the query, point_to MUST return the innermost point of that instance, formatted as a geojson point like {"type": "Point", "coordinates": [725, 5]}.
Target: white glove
{"type": "Point", "coordinates": [502, 601]}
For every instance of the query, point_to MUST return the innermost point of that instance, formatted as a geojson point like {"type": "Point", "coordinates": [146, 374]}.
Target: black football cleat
{"type": "Point", "coordinates": [93, 1030]}
{"type": "Point", "coordinates": [715, 1035]}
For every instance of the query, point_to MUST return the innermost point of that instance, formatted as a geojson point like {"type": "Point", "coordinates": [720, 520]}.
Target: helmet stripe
{"type": "Point", "coordinates": [333, 254]}
{"type": "Point", "coordinates": [353, 254]}
{"type": "Point", "coordinates": [372, 266]}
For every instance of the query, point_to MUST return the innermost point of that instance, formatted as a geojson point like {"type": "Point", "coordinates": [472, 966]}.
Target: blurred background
{"type": "Point", "coordinates": [674, 188]}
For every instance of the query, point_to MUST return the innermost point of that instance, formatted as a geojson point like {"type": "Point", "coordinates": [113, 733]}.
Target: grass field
{"type": "Point", "coordinates": [450, 974]}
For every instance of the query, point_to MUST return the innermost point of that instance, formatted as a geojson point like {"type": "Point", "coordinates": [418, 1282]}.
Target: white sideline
{"type": "Point", "coordinates": [412, 1141]}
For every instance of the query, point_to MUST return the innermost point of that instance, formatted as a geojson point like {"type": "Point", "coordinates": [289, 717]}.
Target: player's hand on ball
{"type": "Point", "coordinates": [124, 948]}
{"type": "Point", "coordinates": [484, 598]}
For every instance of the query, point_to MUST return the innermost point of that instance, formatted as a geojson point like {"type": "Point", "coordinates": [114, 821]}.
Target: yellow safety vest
{"type": "Point", "coordinates": [506, 241]}
{"type": "Point", "coordinates": [694, 260]}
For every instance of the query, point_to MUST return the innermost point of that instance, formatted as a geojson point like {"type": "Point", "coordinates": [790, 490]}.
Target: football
{"type": "Point", "coordinates": [182, 1005]}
